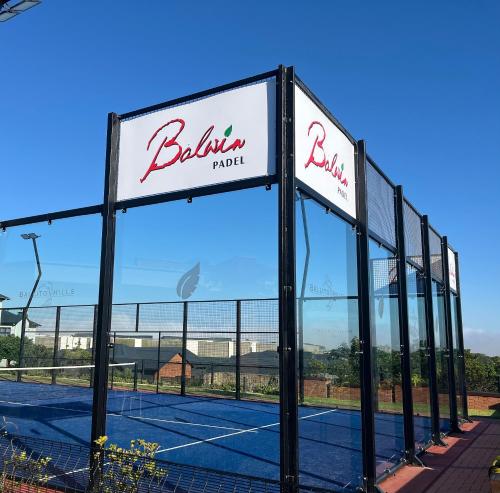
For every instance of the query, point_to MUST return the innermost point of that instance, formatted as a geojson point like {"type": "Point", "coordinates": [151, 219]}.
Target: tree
{"type": "Point", "coordinates": [9, 348]}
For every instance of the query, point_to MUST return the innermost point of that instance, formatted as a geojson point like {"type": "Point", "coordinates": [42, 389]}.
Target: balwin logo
{"type": "Point", "coordinates": [170, 151]}
{"type": "Point", "coordinates": [318, 155]}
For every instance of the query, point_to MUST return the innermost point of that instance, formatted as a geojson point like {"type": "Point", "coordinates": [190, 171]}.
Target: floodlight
{"type": "Point", "coordinates": [25, 5]}
{"type": "Point", "coordinates": [7, 14]}
{"type": "Point", "coordinates": [30, 236]}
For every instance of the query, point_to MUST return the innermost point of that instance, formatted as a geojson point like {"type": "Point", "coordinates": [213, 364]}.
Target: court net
{"type": "Point", "coordinates": [49, 382]}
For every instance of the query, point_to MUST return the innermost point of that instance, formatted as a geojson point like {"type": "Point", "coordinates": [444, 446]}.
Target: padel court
{"type": "Point", "coordinates": [216, 433]}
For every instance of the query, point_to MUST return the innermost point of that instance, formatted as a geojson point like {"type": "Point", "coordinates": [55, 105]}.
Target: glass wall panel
{"type": "Point", "coordinates": [41, 401]}
{"type": "Point", "coordinates": [419, 357]}
{"type": "Point", "coordinates": [188, 276]}
{"type": "Point", "coordinates": [457, 357]}
{"type": "Point", "coordinates": [389, 439]}
{"type": "Point", "coordinates": [328, 339]}
{"type": "Point", "coordinates": [442, 367]}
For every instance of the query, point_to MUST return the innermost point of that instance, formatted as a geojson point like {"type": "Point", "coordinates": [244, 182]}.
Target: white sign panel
{"type": "Point", "coordinates": [324, 156]}
{"type": "Point", "coordinates": [226, 137]}
{"type": "Point", "coordinates": [452, 270]}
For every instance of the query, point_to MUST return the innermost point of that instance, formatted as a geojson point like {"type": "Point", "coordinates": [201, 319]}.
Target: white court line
{"type": "Point", "coordinates": [142, 418]}
{"type": "Point", "coordinates": [139, 418]}
{"type": "Point", "coordinates": [198, 442]}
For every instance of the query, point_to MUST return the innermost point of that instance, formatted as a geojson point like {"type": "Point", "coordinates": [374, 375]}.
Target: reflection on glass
{"type": "Point", "coordinates": [196, 317]}
{"type": "Point", "coordinates": [328, 341]}
{"type": "Point", "coordinates": [442, 360]}
{"type": "Point", "coordinates": [457, 357]}
{"type": "Point", "coordinates": [52, 332]}
{"type": "Point", "coordinates": [389, 440]}
{"type": "Point", "coordinates": [419, 359]}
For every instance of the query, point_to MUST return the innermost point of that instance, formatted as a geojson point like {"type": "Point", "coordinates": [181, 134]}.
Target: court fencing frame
{"type": "Point", "coordinates": [288, 345]}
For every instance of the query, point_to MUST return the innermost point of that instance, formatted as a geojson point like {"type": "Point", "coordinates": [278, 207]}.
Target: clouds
{"type": "Point", "coordinates": [482, 341]}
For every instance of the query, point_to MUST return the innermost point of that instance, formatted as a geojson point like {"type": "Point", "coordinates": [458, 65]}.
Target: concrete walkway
{"type": "Point", "coordinates": [462, 467]}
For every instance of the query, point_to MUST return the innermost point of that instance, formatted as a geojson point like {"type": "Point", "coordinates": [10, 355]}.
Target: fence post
{"type": "Point", "coordinates": [113, 361]}
{"type": "Point", "coordinates": [289, 440]}
{"type": "Point", "coordinates": [184, 347]}
{"type": "Point", "coordinates": [429, 322]}
{"type": "Point", "coordinates": [55, 358]}
{"type": "Point", "coordinates": [409, 432]}
{"type": "Point", "coordinates": [137, 315]}
{"type": "Point", "coordinates": [449, 337]}
{"type": "Point", "coordinates": [238, 349]}
{"type": "Point", "coordinates": [365, 331]}
{"type": "Point", "coordinates": [105, 297]}
{"type": "Point", "coordinates": [460, 329]}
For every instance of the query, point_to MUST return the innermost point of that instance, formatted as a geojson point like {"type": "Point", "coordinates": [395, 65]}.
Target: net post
{"type": "Point", "coordinates": [365, 331]}
{"type": "Point", "coordinates": [449, 338]}
{"type": "Point", "coordinates": [112, 361]}
{"type": "Point", "coordinates": [429, 323]}
{"type": "Point", "coordinates": [409, 432]}
{"type": "Point", "coordinates": [135, 376]}
{"type": "Point", "coordinates": [238, 350]}
{"type": "Point", "coordinates": [55, 358]}
{"type": "Point", "coordinates": [460, 329]}
{"type": "Point", "coordinates": [158, 356]}
{"type": "Point", "coordinates": [94, 325]}
{"type": "Point", "coordinates": [21, 345]}
{"type": "Point", "coordinates": [104, 306]}
{"type": "Point", "coordinates": [184, 346]}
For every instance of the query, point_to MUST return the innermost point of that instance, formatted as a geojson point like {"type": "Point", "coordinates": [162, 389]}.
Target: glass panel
{"type": "Point", "coordinates": [328, 341]}
{"type": "Point", "coordinates": [419, 357]}
{"type": "Point", "coordinates": [199, 260]}
{"type": "Point", "coordinates": [442, 367]}
{"type": "Point", "coordinates": [50, 403]}
{"type": "Point", "coordinates": [457, 357]}
{"type": "Point", "coordinates": [389, 440]}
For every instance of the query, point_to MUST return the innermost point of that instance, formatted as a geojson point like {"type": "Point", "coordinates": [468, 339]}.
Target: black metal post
{"type": "Point", "coordinates": [287, 314]}
{"type": "Point", "coordinates": [158, 363]}
{"type": "Point", "coordinates": [238, 349]}
{"type": "Point", "coordinates": [113, 361]}
{"type": "Point", "coordinates": [454, 427]}
{"type": "Point", "coordinates": [460, 330]}
{"type": "Point", "coordinates": [365, 332]}
{"type": "Point", "coordinates": [55, 354]}
{"type": "Point", "coordinates": [105, 297]}
{"type": "Point", "coordinates": [429, 322]}
{"type": "Point", "coordinates": [184, 347]}
{"type": "Point", "coordinates": [137, 316]}
{"type": "Point", "coordinates": [409, 432]}
{"type": "Point", "coordinates": [94, 325]}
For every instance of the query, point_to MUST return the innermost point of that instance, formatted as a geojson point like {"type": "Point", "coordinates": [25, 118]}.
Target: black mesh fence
{"type": "Point", "coordinates": [413, 235]}
{"type": "Point", "coordinates": [46, 466]}
{"type": "Point", "coordinates": [436, 255]}
{"type": "Point", "coordinates": [381, 209]}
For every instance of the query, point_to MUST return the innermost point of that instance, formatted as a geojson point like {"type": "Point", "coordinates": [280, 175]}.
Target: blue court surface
{"type": "Point", "coordinates": [211, 432]}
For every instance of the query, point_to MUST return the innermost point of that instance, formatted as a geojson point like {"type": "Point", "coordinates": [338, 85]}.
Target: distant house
{"type": "Point", "coordinates": [169, 369]}
{"type": "Point", "coordinates": [11, 321]}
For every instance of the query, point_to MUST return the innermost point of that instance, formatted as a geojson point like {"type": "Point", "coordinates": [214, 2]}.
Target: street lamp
{"type": "Point", "coordinates": [7, 12]}
{"type": "Point", "coordinates": [32, 237]}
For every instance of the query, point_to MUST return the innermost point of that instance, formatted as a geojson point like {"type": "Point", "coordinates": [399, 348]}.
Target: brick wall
{"type": "Point", "coordinates": [483, 401]}
{"type": "Point", "coordinates": [173, 369]}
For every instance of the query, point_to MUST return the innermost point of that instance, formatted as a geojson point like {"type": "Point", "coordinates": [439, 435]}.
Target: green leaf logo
{"type": "Point", "coordinates": [342, 166]}
{"type": "Point", "coordinates": [228, 131]}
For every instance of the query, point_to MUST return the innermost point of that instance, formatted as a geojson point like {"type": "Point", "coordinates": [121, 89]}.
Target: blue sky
{"type": "Point", "coordinates": [418, 81]}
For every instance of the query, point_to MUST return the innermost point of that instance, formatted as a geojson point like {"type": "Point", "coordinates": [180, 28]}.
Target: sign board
{"type": "Point", "coordinates": [324, 156]}
{"type": "Point", "coordinates": [452, 270]}
{"type": "Point", "coordinates": [225, 137]}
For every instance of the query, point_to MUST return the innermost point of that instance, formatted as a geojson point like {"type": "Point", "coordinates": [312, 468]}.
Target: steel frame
{"type": "Point", "coordinates": [289, 349]}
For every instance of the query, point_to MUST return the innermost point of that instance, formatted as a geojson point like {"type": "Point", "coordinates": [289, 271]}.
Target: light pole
{"type": "Point", "coordinates": [32, 237]}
